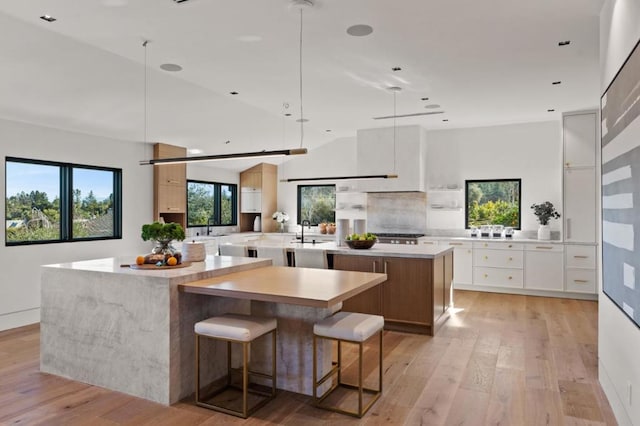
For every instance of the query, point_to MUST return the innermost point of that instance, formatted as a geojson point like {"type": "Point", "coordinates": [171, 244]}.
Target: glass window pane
{"type": "Point", "coordinates": [32, 211]}
{"type": "Point", "coordinates": [317, 203]}
{"type": "Point", "coordinates": [493, 202]}
{"type": "Point", "coordinates": [226, 204]}
{"type": "Point", "coordinates": [200, 203]}
{"type": "Point", "coordinates": [93, 214]}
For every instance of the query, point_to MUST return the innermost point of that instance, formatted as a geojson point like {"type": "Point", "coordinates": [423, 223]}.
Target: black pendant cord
{"type": "Point", "coordinates": [300, 73]}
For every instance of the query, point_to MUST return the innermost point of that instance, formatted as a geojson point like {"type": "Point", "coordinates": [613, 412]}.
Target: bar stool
{"type": "Point", "coordinates": [310, 258]}
{"type": "Point", "coordinates": [233, 250]}
{"type": "Point", "coordinates": [354, 328]}
{"type": "Point", "coordinates": [243, 329]}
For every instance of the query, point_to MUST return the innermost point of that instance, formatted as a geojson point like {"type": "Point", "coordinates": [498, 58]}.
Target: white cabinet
{"type": "Point", "coordinates": [579, 205]}
{"type": "Point", "coordinates": [579, 131]}
{"type": "Point", "coordinates": [250, 200]}
{"type": "Point", "coordinates": [498, 264]}
{"type": "Point", "coordinates": [544, 267]}
{"type": "Point", "coordinates": [579, 187]}
{"type": "Point", "coordinates": [462, 261]}
{"type": "Point", "coordinates": [580, 274]}
{"type": "Point", "coordinates": [376, 153]}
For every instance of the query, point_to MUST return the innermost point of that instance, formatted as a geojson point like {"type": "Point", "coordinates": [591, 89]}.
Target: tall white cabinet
{"type": "Point", "coordinates": [580, 147]}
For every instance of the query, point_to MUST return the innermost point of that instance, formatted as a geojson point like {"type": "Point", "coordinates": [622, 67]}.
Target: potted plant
{"type": "Point", "coordinates": [163, 234]}
{"type": "Point", "coordinates": [545, 212]}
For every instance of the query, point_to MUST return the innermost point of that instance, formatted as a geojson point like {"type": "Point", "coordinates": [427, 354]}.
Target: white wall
{"type": "Point", "coordinates": [336, 158]}
{"type": "Point", "coordinates": [618, 337]}
{"type": "Point", "coordinates": [530, 151]}
{"type": "Point", "coordinates": [20, 283]}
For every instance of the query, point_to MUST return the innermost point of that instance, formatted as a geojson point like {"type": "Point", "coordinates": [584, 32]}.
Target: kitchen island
{"type": "Point", "coordinates": [132, 330]}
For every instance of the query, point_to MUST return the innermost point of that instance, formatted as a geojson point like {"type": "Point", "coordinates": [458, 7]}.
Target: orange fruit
{"type": "Point", "coordinates": [172, 261]}
{"type": "Point", "coordinates": [140, 260]}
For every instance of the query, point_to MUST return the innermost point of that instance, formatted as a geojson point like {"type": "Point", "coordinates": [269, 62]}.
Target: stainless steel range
{"type": "Point", "coordinates": [399, 238]}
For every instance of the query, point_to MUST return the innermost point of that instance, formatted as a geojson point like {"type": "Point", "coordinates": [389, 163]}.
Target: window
{"type": "Point", "coordinates": [316, 203]}
{"type": "Point", "coordinates": [211, 203]}
{"type": "Point", "coordinates": [492, 202]}
{"type": "Point", "coordinates": [50, 202]}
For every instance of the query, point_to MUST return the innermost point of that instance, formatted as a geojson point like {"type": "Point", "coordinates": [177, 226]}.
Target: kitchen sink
{"type": "Point", "coordinates": [307, 242]}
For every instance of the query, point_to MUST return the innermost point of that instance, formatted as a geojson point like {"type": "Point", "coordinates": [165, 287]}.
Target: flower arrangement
{"type": "Point", "coordinates": [544, 212]}
{"type": "Point", "coordinates": [280, 217]}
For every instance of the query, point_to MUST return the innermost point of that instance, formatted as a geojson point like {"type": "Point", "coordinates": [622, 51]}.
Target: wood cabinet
{"type": "Point", "coordinates": [258, 196]}
{"type": "Point", "coordinates": [170, 185]}
{"type": "Point", "coordinates": [415, 296]}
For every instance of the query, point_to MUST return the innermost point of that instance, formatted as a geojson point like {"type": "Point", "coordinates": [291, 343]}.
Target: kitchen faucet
{"type": "Point", "coordinates": [210, 222]}
{"type": "Point", "coordinates": [304, 222]}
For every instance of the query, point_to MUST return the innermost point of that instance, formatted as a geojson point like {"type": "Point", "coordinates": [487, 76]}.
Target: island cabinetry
{"type": "Point", "coordinates": [369, 301]}
{"type": "Point", "coordinates": [544, 267]}
{"type": "Point", "coordinates": [415, 296]}
{"type": "Point", "coordinates": [170, 185]}
{"type": "Point", "coordinates": [258, 197]}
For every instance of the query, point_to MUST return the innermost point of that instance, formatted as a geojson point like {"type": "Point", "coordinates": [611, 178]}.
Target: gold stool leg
{"type": "Point", "coordinates": [380, 363]}
{"type": "Point", "coordinates": [274, 372]}
{"type": "Point", "coordinates": [245, 379]}
{"type": "Point", "coordinates": [315, 367]}
{"type": "Point", "coordinates": [360, 373]}
{"type": "Point", "coordinates": [197, 368]}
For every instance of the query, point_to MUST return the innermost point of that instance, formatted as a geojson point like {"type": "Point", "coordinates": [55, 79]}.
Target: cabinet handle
{"type": "Point", "coordinates": [486, 245]}
{"type": "Point", "coordinates": [374, 266]}
{"type": "Point", "coordinates": [486, 257]}
{"type": "Point", "coordinates": [486, 275]}
{"type": "Point", "coordinates": [510, 246]}
{"type": "Point", "coordinates": [510, 277]}
{"type": "Point", "coordinates": [455, 244]}
{"type": "Point", "coordinates": [511, 258]}
{"type": "Point", "coordinates": [173, 208]}
{"type": "Point", "coordinates": [580, 281]}
{"type": "Point", "coordinates": [468, 251]}
{"type": "Point", "coordinates": [385, 266]}
{"type": "Point", "coordinates": [580, 257]}
{"type": "Point", "coordinates": [568, 228]}
{"type": "Point", "coordinates": [544, 247]}
{"type": "Point", "coordinates": [172, 181]}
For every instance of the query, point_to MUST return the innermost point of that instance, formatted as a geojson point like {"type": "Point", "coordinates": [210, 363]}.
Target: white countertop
{"type": "Point", "coordinates": [489, 239]}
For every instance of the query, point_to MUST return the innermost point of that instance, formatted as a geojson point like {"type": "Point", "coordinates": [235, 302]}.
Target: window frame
{"type": "Point", "coordinates": [299, 199]}
{"type": "Point", "coordinates": [217, 204]}
{"type": "Point", "coordinates": [466, 198]}
{"type": "Point", "coordinates": [66, 201]}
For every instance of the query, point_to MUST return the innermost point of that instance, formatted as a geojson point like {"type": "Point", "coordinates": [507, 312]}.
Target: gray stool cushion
{"type": "Point", "coordinates": [243, 328]}
{"type": "Point", "coordinates": [349, 326]}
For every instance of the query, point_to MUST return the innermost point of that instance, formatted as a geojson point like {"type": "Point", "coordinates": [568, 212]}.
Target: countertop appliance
{"type": "Point", "coordinates": [398, 238]}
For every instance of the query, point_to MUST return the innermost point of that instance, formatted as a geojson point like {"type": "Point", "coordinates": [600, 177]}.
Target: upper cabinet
{"type": "Point", "coordinates": [258, 196]}
{"type": "Point", "coordinates": [379, 154]}
{"type": "Point", "coordinates": [580, 139]}
{"type": "Point", "coordinates": [170, 185]}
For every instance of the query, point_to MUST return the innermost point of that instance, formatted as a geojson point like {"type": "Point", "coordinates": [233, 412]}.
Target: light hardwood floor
{"type": "Point", "coordinates": [499, 360]}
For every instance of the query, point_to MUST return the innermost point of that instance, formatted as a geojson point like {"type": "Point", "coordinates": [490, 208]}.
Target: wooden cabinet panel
{"type": "Point", "coordinates": [449, 268]}
{"type": "Point", "coordinates": [251, 180]}
{"type": "Point", "coordinates": [171, 199]}
{"type": "Point", "coordinates": [438, 287]}
{"type": "Point", "coordinates": [170, 185]}
{"type": "Point", "coordinates": [367, 302]}
{"type": "Point", "coordinates": [407, 294]}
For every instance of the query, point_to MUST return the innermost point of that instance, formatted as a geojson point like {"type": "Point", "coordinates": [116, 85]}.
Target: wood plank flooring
{"type": "Point", "coordinates": [498, 360]}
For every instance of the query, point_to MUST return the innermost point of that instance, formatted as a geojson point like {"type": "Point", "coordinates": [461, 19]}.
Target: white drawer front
{"type": "Point", "coordinates": [544, 247]}
{"type": "Point", "coordinates": [507, 245]}
{"type": "Point", "coordinates": [457, 244]}
{"type": "Point", "coordinates": [429, 242]}
{"type": "Point", "coordinates": [498, 277]}
{"type": "Point", "coordinates": [580, 256]}
{"type": "Point", "coordinates": [497, 258]}
{"type": "Point", "coordinates": [581, 281]}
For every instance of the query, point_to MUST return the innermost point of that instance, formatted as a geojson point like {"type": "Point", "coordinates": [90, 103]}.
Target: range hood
{"type": "Point", "coordinates": [376, 154]}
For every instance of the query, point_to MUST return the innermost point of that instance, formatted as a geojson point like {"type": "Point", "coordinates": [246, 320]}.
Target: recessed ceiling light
{"type": "Point", "coordinates": [564, 43]}
{"type": "Point", "coordinates": [424, 99]}
{"type": "Point", "coordinates": [396, 69]}
{"type": "Point", "coordinates": [302, 120]}
{"type": "Point", "coordinates": [194, 151]}
{"type": "Point", "coordinates": [556, 82]}
{"type": "Point", "coordinates": [48, 18]}
{"type": "Point", "coordinates": [171, 67]}
{"type": "Point", "coordinates": [328, 130]}
{"type": "Point", "coordinates": [445, 119]}
{"type": "Point", "coordinates": [432, 106]}
{"type": "Point", "coordinates": [180, 1]}
{"type": "Point", "coordinates": [550, 110]}
{"type": "Point", "coordinates": [233, 93]}
{"type": "Point", "coordinates": [287, 115]}
{"type": "Point", "coordinates": [227, 142]}
{"type": "Point", "coordinates": [360, 30]}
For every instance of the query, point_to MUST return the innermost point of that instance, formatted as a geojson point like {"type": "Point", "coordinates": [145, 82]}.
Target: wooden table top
{"type": "Point", "coordinates": [320, 288]}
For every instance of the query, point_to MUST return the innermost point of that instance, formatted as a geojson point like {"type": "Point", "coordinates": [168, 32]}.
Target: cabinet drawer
{"type": "Point", "coordinates": [497, 245]}
{"type": "Point", "coordinates": [544, 247]}
{"type": "Point", "coordinates": [457, 244]}
{"type": "Point", "coordinates": [581, 281]}
{"type": "Point", "coordinates": [580, 256]}
{"type": "Point", "coordinates": [497, 258]}
{"type": "Point", "coordinates": [498, 277]}
{"type": "Point", "coordinates": [429, 242]}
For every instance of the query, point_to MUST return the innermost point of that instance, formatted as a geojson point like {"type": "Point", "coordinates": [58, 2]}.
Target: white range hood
{"type": "Point", "coordinates": [376, 153]}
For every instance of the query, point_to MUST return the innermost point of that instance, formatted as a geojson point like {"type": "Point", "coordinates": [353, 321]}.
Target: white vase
{"type": "Point", "coordinates": [544, 232]}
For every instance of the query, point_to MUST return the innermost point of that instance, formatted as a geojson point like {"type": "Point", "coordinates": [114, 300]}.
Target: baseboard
{"type": "Point", "coordinates": [526, 292]}
{"type": "Point", "coordinates": [19, 319]}
{"type": "Point", "coordinates": [615, 401]}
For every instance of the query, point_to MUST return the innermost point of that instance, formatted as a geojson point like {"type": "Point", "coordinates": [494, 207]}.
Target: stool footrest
{"type": "Point", "coordinates": [330, 374]}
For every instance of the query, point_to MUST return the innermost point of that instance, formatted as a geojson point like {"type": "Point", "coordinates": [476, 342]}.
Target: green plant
{"type": "Point", "coordinates": [162, 231]}
{"type": "Point", "coordinates": [544, 212]}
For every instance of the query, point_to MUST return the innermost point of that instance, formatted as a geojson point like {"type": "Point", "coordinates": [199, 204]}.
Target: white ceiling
{"type": "Point", "coordinates": [485, 62]}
